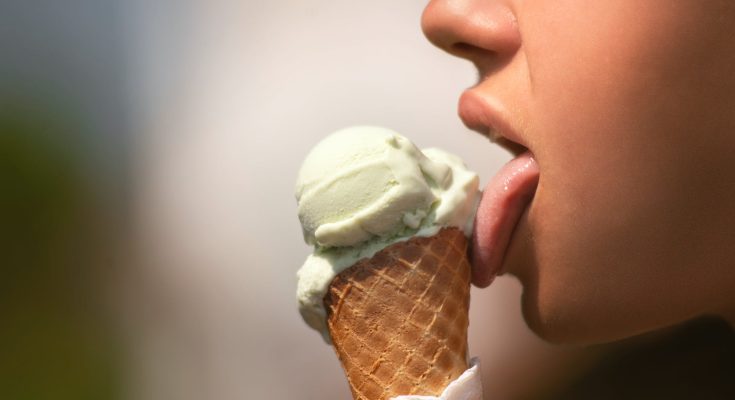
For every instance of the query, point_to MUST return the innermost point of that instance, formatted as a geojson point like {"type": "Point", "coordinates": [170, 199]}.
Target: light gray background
{"type": "Point", "coordinates": [226, 99]}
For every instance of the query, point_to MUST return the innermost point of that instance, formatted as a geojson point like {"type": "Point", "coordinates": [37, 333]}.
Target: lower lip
{"type": "Point", "coordinates": [503, 202]}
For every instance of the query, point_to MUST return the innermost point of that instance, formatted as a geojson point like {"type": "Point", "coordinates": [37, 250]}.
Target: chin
{"type": "Point", "coordinates": [541, 321]}
{"type": "Point", "coordinates": [556, 320]}
{"type": "Point", "coordinates": [557, 307]}
{"type": "Point", "coordinates": [550, 328]}
{"type": "Point", "coordinates": [558, 329]}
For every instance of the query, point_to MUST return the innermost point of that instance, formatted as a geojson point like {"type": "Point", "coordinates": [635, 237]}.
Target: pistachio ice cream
{"type": "Point", "coordinates": [364, 188]}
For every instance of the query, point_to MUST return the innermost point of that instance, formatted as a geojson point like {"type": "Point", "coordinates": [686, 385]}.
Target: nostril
{"type": "Point", "coordinates": [484, 60]}
{"type": "Point", "coordinates": [469, 51]}
{"type": "Point", "coordinates": [464, 48]}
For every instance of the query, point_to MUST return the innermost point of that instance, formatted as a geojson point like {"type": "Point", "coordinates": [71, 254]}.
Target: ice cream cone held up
{"type": "Point", "coordinates": [388, 282]}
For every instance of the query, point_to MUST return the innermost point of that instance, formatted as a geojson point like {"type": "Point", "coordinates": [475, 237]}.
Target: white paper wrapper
{"type": "Point", "coordinates": [467, 387]}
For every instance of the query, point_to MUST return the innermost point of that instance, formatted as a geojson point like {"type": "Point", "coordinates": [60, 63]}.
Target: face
{"type": "Point", "coordinates": [628, 107]}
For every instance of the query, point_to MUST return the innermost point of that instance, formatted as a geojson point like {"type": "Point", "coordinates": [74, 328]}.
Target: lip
{"type": "Point", "coordinates": [487, 116]}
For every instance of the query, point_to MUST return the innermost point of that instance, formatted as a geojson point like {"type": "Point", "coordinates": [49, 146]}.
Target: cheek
{"type": "Point", "coordinates": [609, 232]}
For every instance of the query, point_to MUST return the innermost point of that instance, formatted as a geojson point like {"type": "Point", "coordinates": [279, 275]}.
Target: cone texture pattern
{"type": "Point", "coordinates": [398, 320]}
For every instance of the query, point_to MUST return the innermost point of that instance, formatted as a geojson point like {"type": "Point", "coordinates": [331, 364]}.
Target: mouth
{"type": "Point", "coordinates": [508, 194]}
{"type": "Point", "coordinates": [488, 117]}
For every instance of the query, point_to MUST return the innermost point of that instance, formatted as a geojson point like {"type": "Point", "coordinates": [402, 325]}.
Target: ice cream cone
{"type": "Point", "coordinates": [398, 320]}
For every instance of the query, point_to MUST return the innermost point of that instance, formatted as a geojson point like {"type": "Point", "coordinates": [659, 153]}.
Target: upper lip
{"type": "Point", "coordinates": [487, 116]}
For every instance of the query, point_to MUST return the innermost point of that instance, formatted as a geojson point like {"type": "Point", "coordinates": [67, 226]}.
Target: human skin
{"type": "Point", "coordinates": [628, 107]}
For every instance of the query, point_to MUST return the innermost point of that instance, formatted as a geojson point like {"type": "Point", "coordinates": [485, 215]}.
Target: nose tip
{"type": "Point", "coordinates": [471, 29]}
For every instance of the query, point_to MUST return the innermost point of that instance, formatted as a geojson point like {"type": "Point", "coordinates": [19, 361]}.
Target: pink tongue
{"type": "Point", "coordinates": [502, 204]}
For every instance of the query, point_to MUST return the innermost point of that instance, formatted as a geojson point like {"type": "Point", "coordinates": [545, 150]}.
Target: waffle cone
{"type": "Point", "coordinates": [398, 320]}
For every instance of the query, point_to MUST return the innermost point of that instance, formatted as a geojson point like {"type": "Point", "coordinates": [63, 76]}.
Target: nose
{"type": "Point", "coordinates": [482, 31]}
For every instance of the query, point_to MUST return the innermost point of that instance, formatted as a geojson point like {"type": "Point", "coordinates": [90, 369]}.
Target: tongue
{"type": "Point", "coordinates": [502, 204]}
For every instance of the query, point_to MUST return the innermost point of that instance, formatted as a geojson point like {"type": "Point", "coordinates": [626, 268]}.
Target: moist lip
{"type": "Point", "coordinates": [504, 200]}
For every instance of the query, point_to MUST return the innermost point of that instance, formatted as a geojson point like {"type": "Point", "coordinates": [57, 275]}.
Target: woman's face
{"type": "Point", "coordinates": [628, 107]}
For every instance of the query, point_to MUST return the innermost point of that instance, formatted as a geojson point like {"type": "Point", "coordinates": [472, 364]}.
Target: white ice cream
{"type": "Point", "coordinates": [365, 182]}
{"type": "Point", "coordinates": [364, 188]}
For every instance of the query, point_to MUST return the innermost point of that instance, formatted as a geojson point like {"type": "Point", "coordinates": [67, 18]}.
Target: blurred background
{"type": "Point", "coordinates": [148, 154]}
